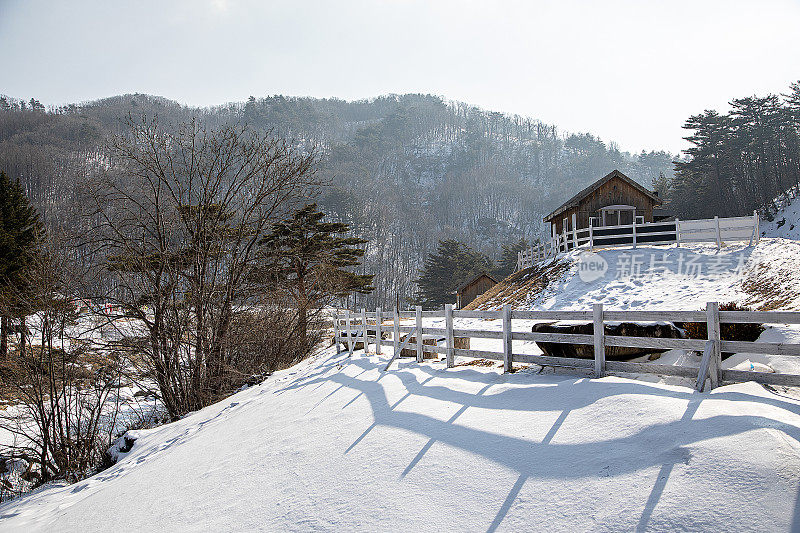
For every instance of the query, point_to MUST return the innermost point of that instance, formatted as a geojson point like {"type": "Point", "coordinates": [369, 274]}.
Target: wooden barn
{"type": "Point", "coordinates": [610, 201]}
{"type": "Point", "coordinates": [473, 288]}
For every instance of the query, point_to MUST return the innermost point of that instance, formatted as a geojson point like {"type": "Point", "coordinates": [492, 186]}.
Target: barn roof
{"type": "Point", "coordinates": [473, 280]}
{"type": "Point", "coordinates": [575, 200]}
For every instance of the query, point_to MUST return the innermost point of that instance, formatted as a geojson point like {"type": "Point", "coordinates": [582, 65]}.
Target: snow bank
{"type": "Point", "coordinates": [334, 444]}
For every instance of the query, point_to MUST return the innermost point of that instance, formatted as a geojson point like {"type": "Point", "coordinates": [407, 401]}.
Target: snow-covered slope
{"type": "Point", "coordinates": [334, 444]}
{"type": "Point", "coordinates": [764, 276]}
{"type": "Point", "coordinates": [786, 222]}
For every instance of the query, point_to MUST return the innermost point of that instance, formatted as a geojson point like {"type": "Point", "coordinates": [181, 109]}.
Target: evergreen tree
{"type": "Point", "coordinates": [310, 259]}
{"type": "Point", "coordinates": [508, 258]}
{"type": "Point", "coordinates": [739, 161]}
{"type": "Point", "coordinates": [20, 231]}
{"type": "Point", "coordinates": [452, 264]}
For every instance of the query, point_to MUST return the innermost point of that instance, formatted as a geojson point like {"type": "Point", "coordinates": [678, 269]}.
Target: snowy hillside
{"type": "Point", "coordinates": [765, 277]}
{"type": "Point", "coordinates": [334, 444]}
{"type": "Point", "coordinates": [786, 222]}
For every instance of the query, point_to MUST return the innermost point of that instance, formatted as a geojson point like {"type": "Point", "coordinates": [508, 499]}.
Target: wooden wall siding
{"type": "Point", "coordinates": [473, 290]}
{"type": "Point", "coordinates": [614, 192]}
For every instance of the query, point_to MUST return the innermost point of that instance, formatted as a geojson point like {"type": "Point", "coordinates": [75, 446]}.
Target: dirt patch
{"type": "Point", "coordinates": [478, 362]}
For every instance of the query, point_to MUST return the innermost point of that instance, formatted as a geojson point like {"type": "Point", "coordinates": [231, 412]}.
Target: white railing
{"type": "Point", "coordinates": [366, 328]}
{"type": "Point", "coordinates": [718, 230]}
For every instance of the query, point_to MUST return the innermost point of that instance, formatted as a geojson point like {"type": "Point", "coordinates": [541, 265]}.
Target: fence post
{"type": "Point", "coordinates": [564, 233]}
{"type": "Point", "coordinates": [634, 229]}
{"type": "Point", "coordinates": [574, 230]}
{"type": "Point", "coordinates": [591, 236]}
{"type": "Point", "coordinates": [448, 322]}
{"type": "Point", "coordinates": [349, 332]}
{"type": "Point", "coordinates": [378, 332]}
{"type": "Point", "coordinates": [716, 224]}
{"type": "Point", "coordinates": [396, 333]}
{"type": "Point", "coordinates": [599, 341]}
{"type": "Point", "coordinates": [364, 321]}
{"type": "Point", "coordinates": [712, 324]}
{"type": "Point", "coordinates": [336, 330]}
{"type": "Point", "coordinates": [419, 334]}
{"type": "Point", "coordinates": [757, 230]}
{"type": "Point", "coordinates": [677, 232]}
{"type": "Point", "coordinates": [508, 358]}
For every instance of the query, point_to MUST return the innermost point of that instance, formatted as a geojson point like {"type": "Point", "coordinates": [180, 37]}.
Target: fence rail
{"type": "Point", "coordinates": [352, 327]}
{"type": "Point", "coordinates": [715, 229]}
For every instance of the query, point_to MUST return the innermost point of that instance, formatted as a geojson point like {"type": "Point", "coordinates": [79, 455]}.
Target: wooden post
{"type": "Point", "coordinates": [564, 235]}
{"type": "Point", "coordinates": [378, 333]}
{"type": "Point", "coordinates": [712, 323]}
{"type": "Point", "coordinates": [677, 232]}
{"type": "Point", "coordinates": [364, 322]}
{"type": "Point", "coordinates": [705, 362]}
{"type": "Point", "coordinates": [508, 358]}
{"type": "Point", "coordinates": [349, 332]}
{"type": "Point", "coordinates": [419, 334]}
{"type": "Point", "coordinates": [634, 230]}
{"type": "Point", "coordinates": [396, 333]}
{"type": "Point", "coordinates": [599, 341]}
{"type": "Point", "coordinates": [591, 236]}
{"type": "Point", "coordinates": [336, 330]}
{"type": "Point", "coordinates": [716, 224]}
{"type": "Point", "coordinates": [756, 229]}
{"type": "Point", "coordinates": [448, 320]}
{"type": "Point", "coordinates": [574, 230]}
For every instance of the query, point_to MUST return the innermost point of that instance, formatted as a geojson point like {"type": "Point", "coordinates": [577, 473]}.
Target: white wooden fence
{"type": "Point", "coordinates": [351, 327]}
{"type": "Point", "coordinates": [718, 230]}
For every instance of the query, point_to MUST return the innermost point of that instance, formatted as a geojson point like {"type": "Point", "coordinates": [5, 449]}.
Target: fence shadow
{"type": "Point", "coordinates": [541, 393]}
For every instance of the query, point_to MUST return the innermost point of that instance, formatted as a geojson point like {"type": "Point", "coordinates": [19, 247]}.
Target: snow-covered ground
{"type": "Point", "coordinates": [786, 222]}
{"type": "Point", "coordinates": [762, 276]}
{"type": "Point", "coordinates": [335, 444]}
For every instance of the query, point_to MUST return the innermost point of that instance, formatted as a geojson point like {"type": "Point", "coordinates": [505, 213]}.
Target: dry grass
{"type": "Point", "coordinates": [479, 362]}
{"type": "Point", "coordinates": [520, 286]}
{"type": "Point", "coordinates": [766, 292]}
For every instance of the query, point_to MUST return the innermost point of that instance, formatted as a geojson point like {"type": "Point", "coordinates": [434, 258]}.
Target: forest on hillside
{"type": "Point", "coordinates": [404, 171]}
{"type": "Point", "coordinates": [739, 161]}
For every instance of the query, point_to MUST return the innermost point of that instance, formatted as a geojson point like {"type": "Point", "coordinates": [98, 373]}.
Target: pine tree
{"type": "Point", "coordinates": [508, 259]}
{"type": "Point", "coordinates": [20, 232]}
{"type": "Point", "coordinates": [310, 259]}
{"type": "Point", "coordinates": [452, 264]}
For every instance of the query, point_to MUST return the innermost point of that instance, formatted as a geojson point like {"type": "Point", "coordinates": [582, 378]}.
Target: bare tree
{"type": "Point", "coordinates": [178, 221]}
{"type": "Point", "coordinates": [62, 381]}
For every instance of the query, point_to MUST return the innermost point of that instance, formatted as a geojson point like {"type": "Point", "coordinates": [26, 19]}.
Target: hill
{"type": "Point", "coordinates": [335, 444]}
{"type": "Point", "coordinates": [403, 170]}
{"type": "Point", "coordinates": [764, 277]}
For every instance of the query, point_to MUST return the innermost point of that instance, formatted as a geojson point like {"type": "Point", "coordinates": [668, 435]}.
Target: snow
{"type": "Point", "coordinates": [335, 444]}
{"type": "Point", "coordinates": [785, 222]}
{"type": "Point", "coordinates": [673, 278]}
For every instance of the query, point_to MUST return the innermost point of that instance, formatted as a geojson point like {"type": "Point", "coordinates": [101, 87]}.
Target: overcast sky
{"type": "Point", "coordinates": [630, 72]}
